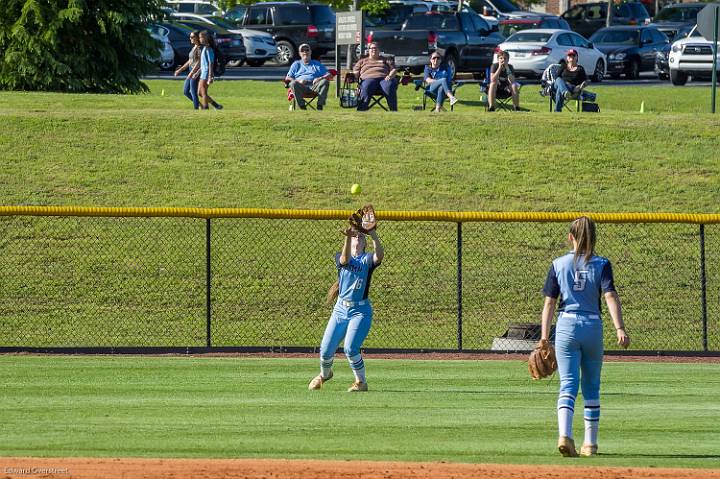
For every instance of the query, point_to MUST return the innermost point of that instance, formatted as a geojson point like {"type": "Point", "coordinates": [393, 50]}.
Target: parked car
{"type": "Point", "coordinates": [231, 45]}
{"type": "Point", "coordinates": [677, 16]}
{"type": "Point", "coordinates": [464, 39]}
{"type": "Point", "coordinates": [166, 55]}
{"type": "Point", "coordinates": [691, 57]}
{"type": "Point", "coordinates": [629, 50]}
{"type": "Point", "coordinates": [291, 24]}
{"type": "Point", "coordinates": [179, 37]}
{"type": "Point", "coordinates": [259, 46]}
{"type": "Point", "coordinates": [192, 6]}
{"type": "Point", "coordinates": [531, 21]}
{"type": "Point", "coordinates": [496, 8]}
{"type": "Point", "coordinates": [587, 18]}
{"type": "Point", "coordinates": [662, 65]}
{"type": "Point", "coordinates": [532, 51]}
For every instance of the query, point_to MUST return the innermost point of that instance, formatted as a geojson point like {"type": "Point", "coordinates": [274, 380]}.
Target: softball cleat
{"type": "Point", "coordinates": [318, 381]}
{"type": "Point", "coordinates": [358, 386]}
{"type": "Point", "coordinates": [566, 446]}
{"type": "Point", "coordinates": [588, 450]}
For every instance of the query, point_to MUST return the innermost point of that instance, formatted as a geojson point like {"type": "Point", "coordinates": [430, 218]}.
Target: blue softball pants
{"type": "Point", "coordinates": [579, 352]}
{"type": "Point", "coordinates": [348, 324]}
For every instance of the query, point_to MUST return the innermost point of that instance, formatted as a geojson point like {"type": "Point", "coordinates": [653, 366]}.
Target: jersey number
{"type": "Point", "coordinates": [359, 283]}
{"type": "Point", "coordinates": [580, 280]}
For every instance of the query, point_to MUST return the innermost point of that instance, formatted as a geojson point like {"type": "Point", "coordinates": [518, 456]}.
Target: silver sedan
{"type": "Point", "coordinates": [532, 51]}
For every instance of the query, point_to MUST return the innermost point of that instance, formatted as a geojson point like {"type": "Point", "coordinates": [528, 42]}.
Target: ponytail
{"type": "Point", "coordinates": [583, 230]}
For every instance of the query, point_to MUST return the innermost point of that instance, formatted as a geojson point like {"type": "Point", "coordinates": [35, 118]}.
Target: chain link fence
{"type": "Point", "coordinates": [142, 282]}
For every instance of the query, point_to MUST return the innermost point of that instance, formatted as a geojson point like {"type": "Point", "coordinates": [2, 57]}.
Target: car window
{"type": "Point", "coordinates": [508, 27]}
{"type": "Point", "coordinates": [579, 41]}
{"type": "Point", "coordinates": [205, 9]}
{"type": "Point", "coordinates": [565, 40]}
{"type": "Point", "coordinates": [529, 37]}
{"type": "Point", "coordinates": [290, 15]}
{"type": "Point", "coordinates": [322, 14]}
{"type": "Point", "coordinates": [258, 16]}
{"type": "Point", "coordinates": [221, 22]}
{"type": "Point", "coordinates": [596, 12]}
{"type": "Point", "coordinates": [479, 24]}
{"type": "Point", "coordinates": [621, 37]}
{"type": "Point", "coordinates": [550, 23]}
{"type": "Point", "coordinates": [660, 37]}
{"type": "Point", "coordinates": [432, 22]}
{"type": "Point", "coordinates": [574, 13]}
{"type": "Point", "coordinates": [396, 14]}
{"type": "Point", "coordinates": [185, 7]}
{"type": "Point", "coordinates": [236, 14]}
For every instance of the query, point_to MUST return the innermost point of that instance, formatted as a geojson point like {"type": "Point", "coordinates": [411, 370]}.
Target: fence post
{"type": "Point", "coordinates": [459, 287]}
{"type": "Point", "coordinates": [703, 287]}
{"type": "Point", "coordinates": [208, 312]}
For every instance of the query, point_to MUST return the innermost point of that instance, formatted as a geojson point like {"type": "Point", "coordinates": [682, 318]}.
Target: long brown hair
{"type": "Point", "coordinates": [333, 293]}
{"type": "Point", "coordinates": [583, 230]}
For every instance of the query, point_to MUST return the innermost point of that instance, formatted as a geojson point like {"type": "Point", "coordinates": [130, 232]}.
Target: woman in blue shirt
{"type": "Point", "coordinates": [352, 315]}
{"type": "Point", "coordinates": [207, 73]}
{"type": "Point", "coordinates": [437, 78]}
{"type": "Point", "coordinates": [579, 279]}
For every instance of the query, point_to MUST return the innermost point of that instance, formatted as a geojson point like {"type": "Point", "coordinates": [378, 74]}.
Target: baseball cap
{"type": "Point", "coordinates": [572, 51]}
{"type": "Point", "coordinates": [304, 45]}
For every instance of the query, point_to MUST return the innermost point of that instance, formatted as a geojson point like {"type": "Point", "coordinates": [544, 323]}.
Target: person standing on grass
{"type": "Point", "coordinates": [207, 75]}
{"type": "Point", "coordinates": [352, 314]}
{"type": "Point", "coordinates": [190, 88]}
{"type": "Point", "coordinates": [579, 278]}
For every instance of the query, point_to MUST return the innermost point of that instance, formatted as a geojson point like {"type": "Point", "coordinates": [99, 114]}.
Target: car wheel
{"type": "Point", "coordinates": [255, 63]}
{"type": "Point", "coordinates": [678, 78]}
{"type": "Point", "coordinates": [285, 54]}
{"type": "Point", "coordinates": [634, 71]}
{"type": "Point", "coordinates": [599, 72]}
{"type": "Point", "coordinates": [235, 63]}
{"type": "Point", "coordinates": [167, 65]}
{"type": "Point", "coordinates": [663, 76]}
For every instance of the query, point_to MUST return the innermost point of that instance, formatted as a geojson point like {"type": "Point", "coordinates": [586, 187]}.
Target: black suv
{"type": "Point", "coordinates": [587, 18]}
{"type": "Point", "coordinates": [629, 50]}
{"type": "Point", "coordinates": [291, 24]}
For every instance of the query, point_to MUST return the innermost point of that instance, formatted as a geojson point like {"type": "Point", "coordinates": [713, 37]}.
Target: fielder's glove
{"type": "Point", "coordinates": [541, 362]}
{"type": "Point", "coordinates": [363, 220]}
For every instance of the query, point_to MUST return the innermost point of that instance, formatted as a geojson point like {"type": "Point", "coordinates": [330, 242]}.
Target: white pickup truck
{"type": "Point", "coordinates": [691, 56]}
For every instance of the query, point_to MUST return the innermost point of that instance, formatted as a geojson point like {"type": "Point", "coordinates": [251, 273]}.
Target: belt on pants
{"type": "Point", "coordinates": [350, 304]}
{"type": "Point", "coordinates": [575, 315]}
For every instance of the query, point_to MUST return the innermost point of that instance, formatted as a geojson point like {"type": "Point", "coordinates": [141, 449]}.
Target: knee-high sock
{"type": "Point", "coordinates": [592, 420]}
{"type": "Point", "coordinates": [565, 412]}
{"type": "Point", "coordinates": [326, 366]}
{"type": "Point", "coordinates": [358, 367]}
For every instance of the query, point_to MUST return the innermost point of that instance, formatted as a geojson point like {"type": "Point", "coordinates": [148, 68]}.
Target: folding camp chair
{"type": "Point", "coordinates": [310, 97]}
{"type": "Point", "coordinates": [428, 95]}
{"type": "Point", "coordinates": [350, 94]}
{"type": "Point", "coordinates": [503, 97]}
{"type": "Point", "coordinates": [584, 100]}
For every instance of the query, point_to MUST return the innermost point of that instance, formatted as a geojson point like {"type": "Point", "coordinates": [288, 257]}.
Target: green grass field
{"type": "Point", "coordinates": [125, 282]}
{"type": "Point", "coordinates": [660, 414]}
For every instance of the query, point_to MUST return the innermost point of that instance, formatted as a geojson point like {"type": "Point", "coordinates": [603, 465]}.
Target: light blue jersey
{"type": "Point", "coordinates": [579, 284]}
{"type": "Point", "coordinates": [354, 277]}
{"type": "Point", "coordinates": [207, 57]}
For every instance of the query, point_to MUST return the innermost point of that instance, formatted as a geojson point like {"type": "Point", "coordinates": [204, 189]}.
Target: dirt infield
{"type": "Point", "coordinates": [66, 468]}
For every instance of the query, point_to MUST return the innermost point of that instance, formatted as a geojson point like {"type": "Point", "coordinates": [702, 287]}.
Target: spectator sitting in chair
{"type": "Point", "coordinates": [570, 81]}
{"type": "Point", "coordinates": [306, 75]}
{"type": "Point", "coordinates": [377, 75]}
{"type": "Point", "coordinates": [437, 77]}
{"type": "Point", "coordinates": [502, 77]}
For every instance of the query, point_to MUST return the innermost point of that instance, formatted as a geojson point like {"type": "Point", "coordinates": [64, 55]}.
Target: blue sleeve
{"type": "Point", "coordinates": [322, 71]}
{"type": "Point", "coordinates": [552, 287]}
{"type": "Point", "coordinates": [337, 261]}
{"type": "Point", "coordinates": [607, 282]}
{"type": "Point", "coordinates": [293, 70]}
{"type": "Point", "coordinates": [426, 75]}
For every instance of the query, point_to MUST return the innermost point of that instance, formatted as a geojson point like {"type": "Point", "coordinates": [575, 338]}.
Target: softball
{"type": "Point", "coordinates": [355, 189]}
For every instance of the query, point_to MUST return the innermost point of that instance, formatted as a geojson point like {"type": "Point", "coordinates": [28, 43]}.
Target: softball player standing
{"type": "Point", "coordinates": [579, 278]}
{"type": "Point", "coordinates": [352, 315]}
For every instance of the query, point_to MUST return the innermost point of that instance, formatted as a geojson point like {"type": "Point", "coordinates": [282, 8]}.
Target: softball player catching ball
{"type": "Point", "coordinates": [579, 278]}
{"type": "Point", "coordinates": [352, 315]}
